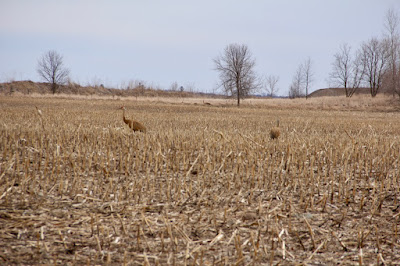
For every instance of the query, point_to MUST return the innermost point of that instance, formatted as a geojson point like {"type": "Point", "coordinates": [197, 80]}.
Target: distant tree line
{"type": "Point", "coordinates": [375, 64]}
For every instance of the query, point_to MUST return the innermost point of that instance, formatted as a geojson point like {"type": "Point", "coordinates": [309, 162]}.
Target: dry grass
{"type": "Point", "coordinates": [382, 103]}
{"type": "Point", "coordinates": [205, 185]}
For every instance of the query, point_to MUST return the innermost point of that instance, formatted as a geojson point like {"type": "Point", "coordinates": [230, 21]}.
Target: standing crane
{"type": "Point", "coordinates": [134, 125]}
{"type": "Point", "coordinates": [39, 112]}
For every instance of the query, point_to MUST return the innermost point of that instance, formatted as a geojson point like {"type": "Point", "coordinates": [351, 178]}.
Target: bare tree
{"type": "Point", "coordinates": [308, 75]}
{"type": "Point", "coordinates": [340, 74]}
{"type": "Point", "coordinates": [190, 87]}
{"type": "Point", "coordinates": [236, 71]}
{"type": "Point", "coordinates": [302, 80]}
{"type": "Point", "coordinates": [174, 86]}
{"type": "Point", "coordinates": [374, 56]}
{"type": "Point", "coordinates": [296, 89]}
{"type": "Point", "coordinates": [347, 72]}
{"type": "Point", "coordinates": [391, 24]}
{"type": "Point", "coordinates": [50, 68]}
{"type": "Point", "coordinates": [270, 85]}
{"type": "Point", "coordinates": [358, 69]}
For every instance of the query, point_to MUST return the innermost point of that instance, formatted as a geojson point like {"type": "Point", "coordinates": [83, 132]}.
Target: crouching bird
{"type": "Point", "coordinates": [275, 132]}
{"type": "Point", "coordinates": [134, 125]}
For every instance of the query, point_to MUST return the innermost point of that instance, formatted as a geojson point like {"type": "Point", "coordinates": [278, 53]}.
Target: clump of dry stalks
{"type": "Point", "coordinates": [203, 187]}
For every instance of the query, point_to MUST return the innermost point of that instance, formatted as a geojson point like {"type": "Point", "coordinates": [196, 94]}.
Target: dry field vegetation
{"type": "Point", "coordinates": [204, 186]}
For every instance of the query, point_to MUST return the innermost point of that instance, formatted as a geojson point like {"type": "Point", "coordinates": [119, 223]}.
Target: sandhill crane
{"type": "Point", "coordinates": [39, 111]}
{"type": "Point", "coordinates": [134, 125]}
{"type": "Point", "coordinates": [275, 132]}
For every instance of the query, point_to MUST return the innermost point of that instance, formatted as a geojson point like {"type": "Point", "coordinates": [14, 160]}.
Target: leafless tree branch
{"type": "Point", "coordinates": [347, 72]}
{"type": "Point", "coordinates": [374, 56]}
{"type": "Point", "coordinates": [391, 25]}
{"type": "Point", "coordinates": [270, 84]}
{"type": "Point", "coordinates": [236, 71]}
{"type": "Point", "coordinates": [302, 80]}
{"type": "Point", "coordinates": [51, 69]}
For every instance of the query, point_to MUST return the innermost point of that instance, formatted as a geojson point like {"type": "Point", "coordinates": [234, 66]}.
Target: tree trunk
{"type": "Point", "coordinates": [239, 90]}
{"type": "Point", "coordinates": [374, 91]}
{"type": "Point", "coordinates": [307, 90]}
{"type": "Point", "coordinates": [54, 87]}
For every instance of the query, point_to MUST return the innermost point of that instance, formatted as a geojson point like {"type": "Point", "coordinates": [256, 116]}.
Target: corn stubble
{"type": "Point", "coordinates": [204, 185]}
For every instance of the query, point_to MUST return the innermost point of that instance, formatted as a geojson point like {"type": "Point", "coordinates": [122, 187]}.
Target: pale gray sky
{"type": "Point", "coordinates": [161, 42]}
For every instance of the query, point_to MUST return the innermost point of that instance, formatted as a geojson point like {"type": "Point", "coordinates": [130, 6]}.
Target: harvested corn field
{"type": "Point", "coordinates": [205, 185]}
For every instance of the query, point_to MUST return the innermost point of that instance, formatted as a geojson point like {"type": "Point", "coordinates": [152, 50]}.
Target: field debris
{"type": "Point", "coordinates": [203, 186]}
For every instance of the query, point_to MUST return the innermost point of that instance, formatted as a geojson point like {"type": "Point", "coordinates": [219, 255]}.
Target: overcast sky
{"type": "Point", "coordinates": [161, 42]}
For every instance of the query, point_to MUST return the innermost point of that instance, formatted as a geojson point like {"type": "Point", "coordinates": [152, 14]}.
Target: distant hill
{"type": "Point", "coordinates": [336, 92]}
{"type": "Point", "coordinates": [340, 92]}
